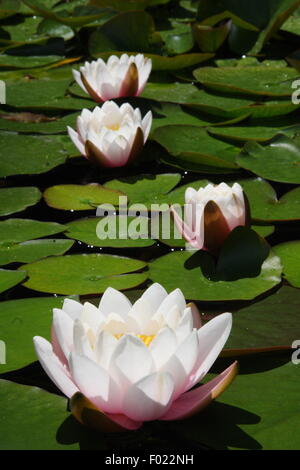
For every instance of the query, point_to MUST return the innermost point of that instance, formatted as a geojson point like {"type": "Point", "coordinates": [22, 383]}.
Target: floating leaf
{"type": "Point", "coordinates": [21, 154]}
{"type": "Point", "coordinates": [278, 161]}
{"type": "Point", "coordinates": [194, 149]}
{"type": "Point", "coordinates": [17, 122]}
{"type": "Point", "coordinates": [80, 197]}
{"type": "Point", "coordinates": [258, 80]}
{"type": "Point", "coordinates": [9, 278]}
{"type": "Point", "coordinates": [32, 250]}
{"type": "Point", "coordinates": [83, 274]}
{"type": "Point", "coordinates": [20, 230]}
{"type": "Point", "coordinates": [86, 230]}
{"type": "Point", "coordinates": [174, 270]}
{"type": "Point", "coordinates": [17, 199]}
{"type": "Point", "coordinates": [30, 317]}
{"type": "Point", "coordinates": [289, 254]}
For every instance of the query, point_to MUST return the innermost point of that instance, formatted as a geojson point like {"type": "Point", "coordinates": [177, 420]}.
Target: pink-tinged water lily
{"type": "Point", "coordinates": [123, 364]}
{"type": "Point", "coordinates": [110, 135]}
{"type": "Point", "coordinates": [119, 77]}
{"type": "Point", "coordinates": [210, 214]}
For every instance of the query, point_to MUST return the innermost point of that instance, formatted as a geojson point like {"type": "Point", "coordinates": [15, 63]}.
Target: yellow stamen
{"type": "Point", "coordinates": [114, 127]}
{"type": "Point", "coordinates": [145, 338]}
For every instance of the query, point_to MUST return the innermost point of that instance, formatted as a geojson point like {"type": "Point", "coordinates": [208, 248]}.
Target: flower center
{"type": "Point", "coordinates": [113, 127]}
{"type": "Point", "coordinates": [145, 338]}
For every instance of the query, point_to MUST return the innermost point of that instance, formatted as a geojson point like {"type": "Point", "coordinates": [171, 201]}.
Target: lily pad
{"type": "Point", "coordinates": [32, 250]}
{"type": "Point", "coordinates": [17, 199]}
{"type": "Point", "coordinates": [21, 154]}
{"type": "Point", "coordinates": [171, 271]}
{"type": "Point", "coordinates": [194, 149]}
{"type": "Point", "coordinates": [278, 161]}
{"type": "Point", "coordinates": [34, 423]}
{"type": "Point", "coordinates": [250, 409]}
{"type": "Point", "coordinates": [289, 254]}
{"type": "Point", "coordinates": [86, 231]}
{"type": "Point", "coordinates": [9, 278]}
{"type": "Point", "coordinates": [242, 134]}
{"type": "Point", "coordinates": [226, 106]}
{"type": "Point", "coordinates": [30, 123]}
{"type": "Point", "coordinates": [31, 317]}
{"type": "Point", "coordinates": [266, 81]}
{"type": "Point", "coordinates": [145, 189]}
{"type": "Point", "coordinates": [268, 323]}
{"type": "Point", "coordinates": [20, 230]}
{"type": "Point", "coordinates": [264, 204]}
{"type": "Point", "coordinates": [80, 197]}
{"type": "Point", "coordinates": [84, 274]}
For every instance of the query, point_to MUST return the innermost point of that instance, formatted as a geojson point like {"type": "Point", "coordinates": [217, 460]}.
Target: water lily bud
{"type": "Point", "coordinates": [210, 214]}
{"type": "Point", "coordinates": [110, 135]}
{"type": "Point", "coordinates": [119, 77]}
{"type": "Point", "coordinates": [122, 364]}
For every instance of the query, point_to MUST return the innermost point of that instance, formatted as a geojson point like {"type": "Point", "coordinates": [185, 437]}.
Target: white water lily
{"type": "Point", "coordinates": [134, 363]}
{"type": "Point", "coordinates": [210, 214]}
{"type": "Point", "coordinates": [119, 77]}
{"type": "Point", "coordinates": [110, 135]}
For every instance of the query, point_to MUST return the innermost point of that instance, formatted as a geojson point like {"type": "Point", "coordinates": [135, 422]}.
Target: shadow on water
{"type": "Point", "coordinates": [216, 428]}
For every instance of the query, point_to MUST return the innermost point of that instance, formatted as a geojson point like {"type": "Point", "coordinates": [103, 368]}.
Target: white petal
{"type": "Point", "coordinates": [148, 399]}
{"type": "Point", "coordinates": [76, 140]}
{"type": "Point", "coordinates": [91, 316]}
{"type": "Point", "coordinates": [146, 125]}
{"type": "Point", "coordinates": [114, 301]}
{"type": "Point", "coordinates": [142, 312]}
{"type": "Point", "coordinates": [163, 346]}
{"type": "Point", "coordinates": [131, 361]}
{"type": "Point", "coordinates": [212, 337]}
{"type": "Point", "coordinates": [115, 324]}
{"type": "Point", "coordinates": [72, 308]}
{"type": "Point", "coordinates": [175, 298]}
{"type": "Point", "coordinates": [82, 345]}
{"type": "Point", "coordinates": [185, 326]}
{"type": "Point", "coordinates": [53, 367]}
{"type": "Point", "coordinates": [95, 383]}
{"type": "Point", "coordinates": [155, 294]}
{"type": "Point", "coordinates": [63, 326]}
{"type": "Point", "coordinates": [77, 77]}
{"type": "Point", "coordinates": [105, 346]}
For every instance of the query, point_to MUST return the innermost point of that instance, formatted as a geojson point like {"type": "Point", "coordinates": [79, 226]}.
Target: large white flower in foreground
{"type": "Point", "coordinates": [119, 77]}
{"type": "Point", "coordinates": [123, 364]}
{"type": "Point", "coordinates": [110, 135]}
{"type": "Point", "coordinates": [210, 214]}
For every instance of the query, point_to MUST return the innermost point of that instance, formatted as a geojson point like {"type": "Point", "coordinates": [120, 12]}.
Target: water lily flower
{"type": "Point", "coordinates": [110, 135]}
{"type": "Point", "coordinates": [210, 214]}
{"type": "Point", "coordinates": [119, 77]}
{"type": "Point", "coordinates": [123, 364]}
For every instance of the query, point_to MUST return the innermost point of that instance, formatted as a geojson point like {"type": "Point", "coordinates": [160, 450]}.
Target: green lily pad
{"type": "Point", "coordinates": [120, 5]}
{"type": "Point", "coordinates": [20, 230]}
{"type": "Point", "coordinates": [85, 230]}
{"type": "Point", "coordinates": [45, 93]}
{"type": "Point", "coordinates": [249, 411]}
{"type": "Point", "coordinates": [242, 134]}
{"type": "Point", "coordinates": [9, 8]}
{"type": "Point", "coordinates": [31, 317]}
{"type": "Point", "coordinates": [289, 254]}
{"type": "Point", "coordinates": [21, 154]}
{"type": "Point", "coordinates": [194, 149]}
{"type": "Point", "coordinates": [268, 323]}
{"type": "Point", "coordinates": [9, 278]}
{"type": "Point", "coordinates": [258, 80]}
{"type": "Point", "coordinates": [145, 189]}
{"type": "Point", "coordinates": [80, 197]}
{"type": "Point", "coordinates": [278, 161]}
{"type": "Point", "coordinates": [226, 106]}
{"type": "Point", "coordinates": [32, 250]}
{"type": "Point", "coordinates": [20, 122]}
{"type": "Point", "coordinates": [70, 20]}
{"type": "Point", "coordinates": [17, 199]}
{"type": "Point", "coordinates": [171, 271]}
{"type": "Point", "coordinates": [20, 62]}
{"type": "Point", "coordinates": [33, 423]}
{"type": "Point", "coordinates": [265, 205]}
{"type": "Point", "coordinates": [84, 274]}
